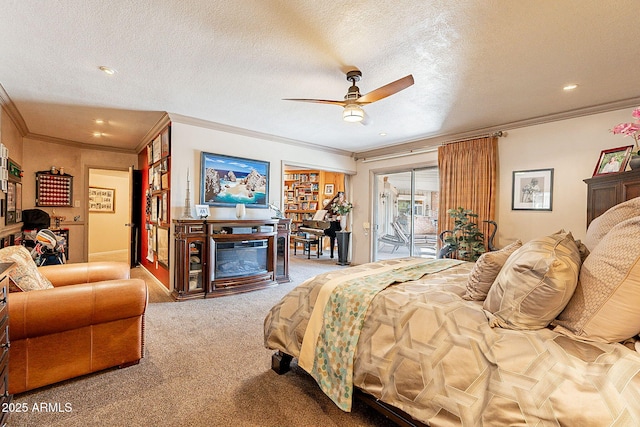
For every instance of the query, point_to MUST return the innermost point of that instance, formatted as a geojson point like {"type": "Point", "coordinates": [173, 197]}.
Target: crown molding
{"type": "Point", "coordinates": [254, 134]}
{"type": "Point", "coordinates": [419, 145]}
{"type": "Point", "coordinates": [12, 112]}
{"type": "Point", "coordinates": [18, 120]}
{"type": "Point", "coordinates": [164, 121]}
{"type": "Point", "coordinates": [77, 144]}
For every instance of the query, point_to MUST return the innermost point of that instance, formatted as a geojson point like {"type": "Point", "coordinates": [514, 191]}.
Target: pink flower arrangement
{"type": "Point", "coordinates": [630, 129]}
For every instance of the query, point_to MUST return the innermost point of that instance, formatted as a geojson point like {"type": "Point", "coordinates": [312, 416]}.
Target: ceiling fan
{"type": "Point", "coordinates": [353, 101]}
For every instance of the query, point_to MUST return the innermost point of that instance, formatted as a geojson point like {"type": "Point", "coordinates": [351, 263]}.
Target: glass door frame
{"type": "Point", "coordinates": [377, 197]}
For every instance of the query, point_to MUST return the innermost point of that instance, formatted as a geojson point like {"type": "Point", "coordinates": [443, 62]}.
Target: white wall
{"type": "Point", "coordinates": [189, 141]}
{"type": "Point", "coordinates": [571, 147]}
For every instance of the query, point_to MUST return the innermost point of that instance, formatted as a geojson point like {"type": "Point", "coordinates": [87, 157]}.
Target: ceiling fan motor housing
{"type": "Point", "coordinates": [354, 76]}
{"type": "Point", "coordinates": [354, 91]}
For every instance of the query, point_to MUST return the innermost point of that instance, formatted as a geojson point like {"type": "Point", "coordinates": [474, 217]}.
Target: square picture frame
{"type": "Point", "coordinates": [532, 190]}
{"type": "Point", "coordinates": [328, 189]}
{"type": "Point", "coordinates": [613, 160]}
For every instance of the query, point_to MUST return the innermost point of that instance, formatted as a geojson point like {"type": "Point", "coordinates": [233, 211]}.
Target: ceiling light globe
{"type": "Point", "coordinates": [353, 113]}
{"type": "Point", "coordinates": [108, 70]}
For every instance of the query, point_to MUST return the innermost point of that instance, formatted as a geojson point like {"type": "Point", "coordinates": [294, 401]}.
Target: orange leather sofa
{"type": "Point", "coordinates": [91, 320]}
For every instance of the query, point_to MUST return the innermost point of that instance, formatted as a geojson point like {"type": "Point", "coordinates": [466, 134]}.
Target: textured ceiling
{"type": "Point", "coordinates": [477, 65]}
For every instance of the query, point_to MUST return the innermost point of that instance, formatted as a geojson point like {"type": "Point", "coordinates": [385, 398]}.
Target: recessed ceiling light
{"type": "Point", "coordinates": [382, 134]}
{"type": "Point", "coordinates": [107, 70]}
{"type": "Point", "coordinates": [97, 134]}
{"type": "Point", "coordinates": [570, 87]}
{"type": "Point", "coordinates": [99, 121]}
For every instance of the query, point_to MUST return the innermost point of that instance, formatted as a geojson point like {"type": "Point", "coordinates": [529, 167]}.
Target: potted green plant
{"type": "Point", "coordinates": [466, 240]}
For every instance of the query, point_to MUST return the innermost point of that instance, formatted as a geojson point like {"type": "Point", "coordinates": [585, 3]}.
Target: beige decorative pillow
{"type": "Point", "coordinates": [605, 306]}
{"type": "Point", "coordinates": [612, 217]}
{"type": "Point", "coordinates": [485, 271]}
{"type": "Point", "coordinates": [25, 274]}
{"type": "Point", "coordinates": [535, 283]}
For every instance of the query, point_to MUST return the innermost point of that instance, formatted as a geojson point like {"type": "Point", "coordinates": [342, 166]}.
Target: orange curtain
{"type": "Point", "coordinates": [468, 173]}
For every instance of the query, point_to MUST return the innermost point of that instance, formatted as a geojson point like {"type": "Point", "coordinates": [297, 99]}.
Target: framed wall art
{"type": "Point", "coordinates": [202, 211]}
{"type": "Point", "coordinates": [102, 199]}
{"type": "Point", "coordinates": [157, 148]}
{"type": "Point", "coordinates": [18, 202]}
{"type": "Point", "coordinates": [164, 145]}
{"type": "Point", "coordinates": [532, 190]}
{"type": "Point", "coordinates": [228, 181]}
{"type": "Point", "coordinates": [162, 238]}
{"type": "Point", "coordinates": [11, 203]}
{"type": "Point", "coordinates": [613, 160]}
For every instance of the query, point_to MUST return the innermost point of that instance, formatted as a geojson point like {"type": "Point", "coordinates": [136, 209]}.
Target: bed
{"type": "Point", "coordinates": [540, 333]}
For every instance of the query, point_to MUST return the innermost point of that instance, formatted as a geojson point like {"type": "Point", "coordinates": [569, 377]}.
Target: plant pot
{"type": "Point", "coordinates": [634, 162]}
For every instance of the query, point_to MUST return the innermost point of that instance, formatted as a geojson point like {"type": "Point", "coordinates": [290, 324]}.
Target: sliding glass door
{"type": "Point", "coordinates": [406, 214]}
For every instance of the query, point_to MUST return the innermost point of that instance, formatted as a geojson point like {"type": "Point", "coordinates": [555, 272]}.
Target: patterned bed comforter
{"type": "Point", "coordinates": [428, 352]}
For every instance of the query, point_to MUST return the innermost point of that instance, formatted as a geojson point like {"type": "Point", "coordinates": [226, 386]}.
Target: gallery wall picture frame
{"type": "Point", "coordinates": [102, 200]}
{"type": "Point", "coordinates": [613, 160]}
{"type": "Point", "coordinates": [532, 190]}
{"type": "Point", "coordinates": [151, 243]}
{"type": "Point", "coordinates": [165, 148]}
{"type": "Point", "coordinates": [328, 189]}
{"type": "Point", "coordinates": [162, 239]}
{"type": "Point", "coordinates": [157, 148]}
{"type": "Point", "coordinates": [11, 203]}
{"type": "Point", "coordinates": [227, 181]}
{"type": "Point", "coordinates": [18, 202]}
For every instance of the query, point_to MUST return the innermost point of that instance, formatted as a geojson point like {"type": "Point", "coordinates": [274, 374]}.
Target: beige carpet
{"type": "Point", "coordinates": [205, 365]}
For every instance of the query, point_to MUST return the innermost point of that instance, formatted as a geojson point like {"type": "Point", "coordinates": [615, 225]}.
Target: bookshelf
{"type": "Point", "coordinates": [306, 190]}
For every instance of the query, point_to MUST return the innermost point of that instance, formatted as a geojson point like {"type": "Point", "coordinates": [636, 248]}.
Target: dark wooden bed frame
{"type": "Point", "coordinates": [281, 364]}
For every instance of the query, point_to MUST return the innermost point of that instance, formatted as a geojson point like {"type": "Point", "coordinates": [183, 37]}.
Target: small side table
{"type": "Point", "coordinates": [343, 238]}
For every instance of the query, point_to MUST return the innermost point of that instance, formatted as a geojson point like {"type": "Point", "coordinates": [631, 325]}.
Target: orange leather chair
{"type": "Point", "coordinates": [91, 320]}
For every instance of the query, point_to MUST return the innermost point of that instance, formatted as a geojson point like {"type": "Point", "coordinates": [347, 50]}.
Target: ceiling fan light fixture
{"type": "Point", "coordinates": [353, 113]}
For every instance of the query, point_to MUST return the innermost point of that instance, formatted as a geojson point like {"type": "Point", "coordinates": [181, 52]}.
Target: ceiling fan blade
{"type": "Point", "coordinates": [366, 121]}
{"type": "Point", "coordinates": [318, 101]}
{"type": "Point", "coordinates": [386, 90]}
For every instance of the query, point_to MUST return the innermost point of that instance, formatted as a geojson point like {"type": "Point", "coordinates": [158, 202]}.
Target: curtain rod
{"type": "Point", "coordinates": [497, 134]}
